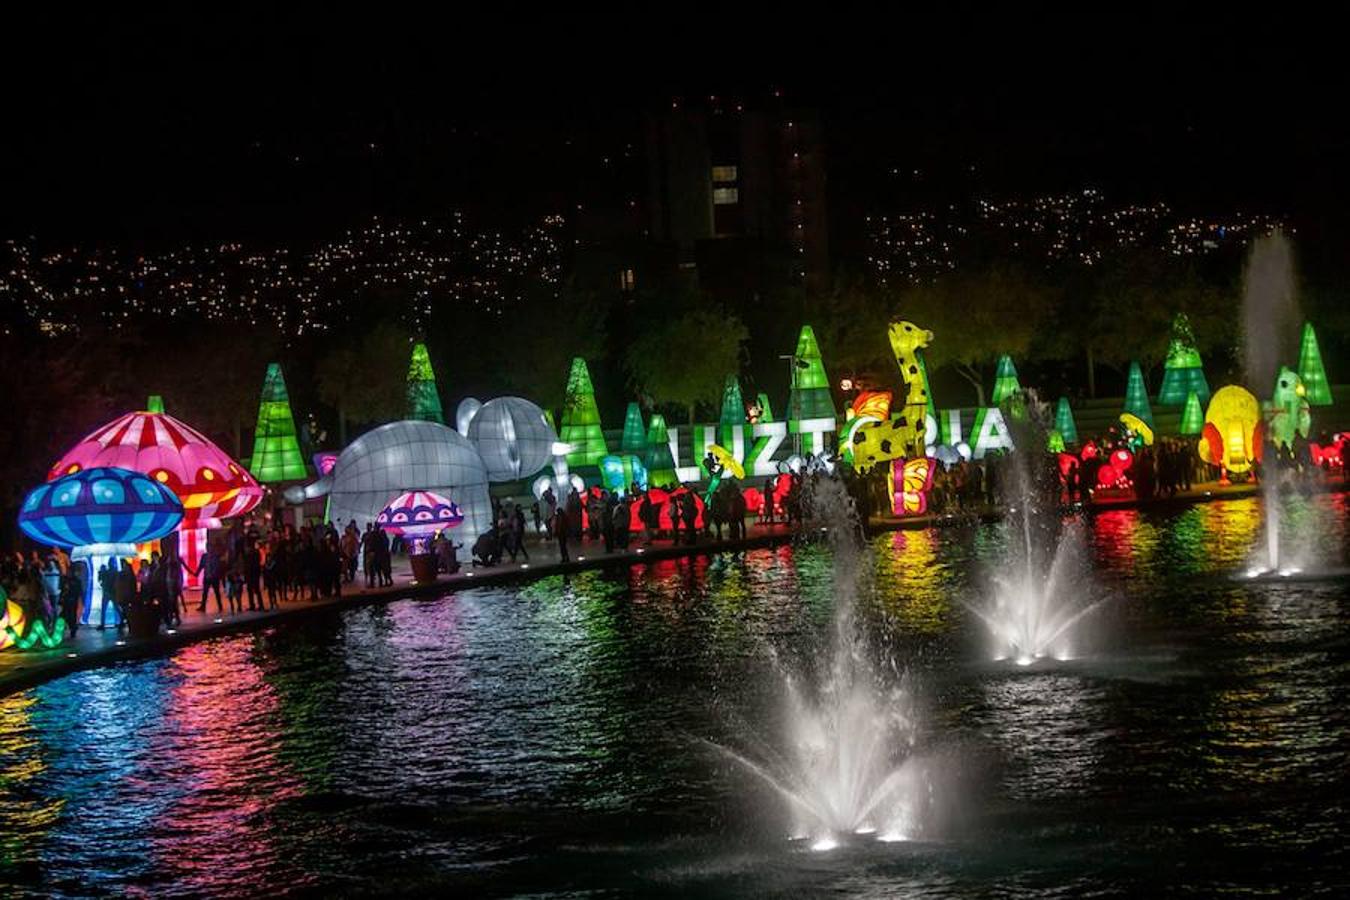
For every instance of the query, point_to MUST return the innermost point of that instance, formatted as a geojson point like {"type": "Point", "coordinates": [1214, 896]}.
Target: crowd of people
{"type": "Point", "coordinates": [244, 570]}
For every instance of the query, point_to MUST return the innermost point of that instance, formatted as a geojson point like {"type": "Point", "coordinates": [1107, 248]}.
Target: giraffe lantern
{"type": "Point", "coordinates": [902, 435]}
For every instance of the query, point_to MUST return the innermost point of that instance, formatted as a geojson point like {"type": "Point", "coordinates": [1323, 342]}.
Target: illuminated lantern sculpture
{"type": "Point", "coordinates": [464, 413]}
{"type": "Point", "coordinates": [634, 431]}
{"type": "Point", "coordinates": [762, 410]}
{"type": "Point", "coordinates": [1233, 430]}
{"type": "Point", "coordinates": [1115, 472]}
{"type": "Point", "coordinates": [1192, 417]}
{"type": "Point", "coordinates": [210, 484]}
{"type": "Point", "coordinates": [809, 396]}
{"type": "Point", "coordinates": [1310, 369]}
{"type": "Point", "coordinates": [424, 402]}
{"type": "Point", "coordinates": [513, 438]}
{"type": "Point", "coordinates": [276, 448]}
{"type": "Point", "coordinates": [1138, 430]}
{"type": "Point", "coordinates": [868, 409]}
{"type": "Point", "coordinates": [1005, 380]}
{"type": "Point", "coordinates": [1287, 414]}
{"type": "Point", "coordinates": [1332, 454]}
{"type": "Point", "coordinates": [12, 621]}
{"type": "Point", "coordinates": [1064, 422]}
{"type": "Point", "coordinates": [400, 457]}
{"type": "Point", "coordinates": [618, 472]}
{"type": "Point", "coordinates": [581, 419]}
{"type": "Point", "coordinates": [1136, 396]}
{"type": "Point", "coordinates": [659, 461]}
{"type": "Point", "coordinates": [733, 408]}
{"type": "Point", "coordinates": [99, 514]}
{"type": "Point", "coordinates": [906, 340]}
{"type": "Point", "coordinates": [912, 479]}
{"type": "Point", "coordinates": [1183, 373]}
{"type": "Point", "coordinates": [418, 516]}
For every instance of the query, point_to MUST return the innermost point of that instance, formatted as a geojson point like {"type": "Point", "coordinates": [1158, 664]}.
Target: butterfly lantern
{"type": "Point", "coordinates": [912, 479]}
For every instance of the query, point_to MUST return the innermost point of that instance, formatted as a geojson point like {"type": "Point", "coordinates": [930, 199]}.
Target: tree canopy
{"type": "Point", "coordinates": [686, 362]}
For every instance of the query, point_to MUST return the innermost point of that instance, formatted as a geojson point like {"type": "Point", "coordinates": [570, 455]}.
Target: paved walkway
{"type": "Point", "coordinates": [91, 647]}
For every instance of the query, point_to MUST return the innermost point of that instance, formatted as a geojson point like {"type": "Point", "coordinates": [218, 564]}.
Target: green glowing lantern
{"type": "Point", "coordinates": [634, 431]}
{"type": "Point", "coordinates": [1064, 423]}
{"type": "Point", "coordinates": [809, 397]}
{"type": "Point", "coordinates": [659, 462]}
{"type": "Point", "coordinates": [1054, 441]}
{"type": "Point", "coordinates": [424, 403]}
{"type": "Point", "coordinates": [1005, 380]}
{"type": "Point", "coordinates": [1192, 417]}
{"type": "Point", "coordinates": [276, 449]}
{"type": "Point", "coordinates": [765, 408]}
{"type": "Point", "coordinates": [733, 410]}
{"type": "Point", "coordinates": [155, 404]}
{"type": "Point", "coordinates": [1183, 371]}
{"type": "Point", "coordinates": [733, 407]}
{"type": "Point", "coordinates": [1318, 391]}
{"type": "Point", "coordinates": [581, 419]}
{"type": "Point", "coordinates": [1136, 395]}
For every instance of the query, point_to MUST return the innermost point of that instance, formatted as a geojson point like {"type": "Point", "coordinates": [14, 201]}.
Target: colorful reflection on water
{"type": "Point", "coordinates": [549, 739]}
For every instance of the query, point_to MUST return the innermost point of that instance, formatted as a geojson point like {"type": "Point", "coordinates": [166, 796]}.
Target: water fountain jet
{"type": "Point", "coordinates": [847, 768]}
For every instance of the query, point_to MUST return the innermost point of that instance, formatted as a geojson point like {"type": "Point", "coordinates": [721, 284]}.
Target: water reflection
{"type": "Point", "coordinates": [545, 738]}
{"type": "Point", "coordinates": [916, 585]}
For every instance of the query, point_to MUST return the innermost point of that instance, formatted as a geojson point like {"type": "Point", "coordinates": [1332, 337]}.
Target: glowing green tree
{"type": "Point", "coordinates": [155, 404]}
{"type": "Point", "coordinates": [809, 397]}
{"type": "Point", "coordinates": [581, 419]}
{"type": "Point", "coordinates": [1193, 416]}
{"type": "Point", "coordinates": [1311, 371]}
{"type": "Point", "coordinates": [659, 461]}
{"type": "Point", "coordinates": [424, 402]}
{"type": "Point", "coordinates": [733, 411]}
{"type": "Point", "coordinates": [634, 431]}
{"type": "Point", "coordinates": [1005, 380]}
{"type": "Point", "coordinates": [1183, 372]}
{"type": "Point", "coordinates": [733, 406]}
{"type": "Point", "coordinates": [765, 409]}
{"type": "Point", "coordinates": [1064, 422]}
{"type": "Point", "coordinates": [276, 449]}
{"type": "Point", "coordinates": [1136, 395]}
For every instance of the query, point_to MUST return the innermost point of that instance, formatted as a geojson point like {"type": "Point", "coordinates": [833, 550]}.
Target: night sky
{"type": "Point", "coordinates": [131, 129]}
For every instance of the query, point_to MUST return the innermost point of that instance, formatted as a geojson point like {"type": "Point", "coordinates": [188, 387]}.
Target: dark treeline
{"type": "Point", "coordinates": [1071, 330]}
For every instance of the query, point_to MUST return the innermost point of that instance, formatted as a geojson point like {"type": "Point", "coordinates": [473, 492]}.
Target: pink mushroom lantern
{"type": "Point", "coordinates": [210, 484]}
{"type": "Point", "coordinates": [417, 516]}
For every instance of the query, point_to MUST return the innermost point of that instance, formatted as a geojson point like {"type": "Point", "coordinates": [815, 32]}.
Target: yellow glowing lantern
{"type": "Point", "coordinates": [1232, 434]}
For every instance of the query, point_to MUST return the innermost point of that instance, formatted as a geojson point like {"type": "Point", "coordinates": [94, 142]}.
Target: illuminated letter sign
{"type": "Point", "coordinates": [768, 436]}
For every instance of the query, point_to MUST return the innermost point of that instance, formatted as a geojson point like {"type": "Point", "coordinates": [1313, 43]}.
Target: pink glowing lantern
{"type": "Point", "coordinates": [210, 484]}
{"type": "Point", "coordinates": [419, 514]}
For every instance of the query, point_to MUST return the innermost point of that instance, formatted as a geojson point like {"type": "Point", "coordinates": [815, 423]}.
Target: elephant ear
{"type": "Point", "coordinates": [1212, 442]}
{"type": "Point", "coordinates": [1258, 441]}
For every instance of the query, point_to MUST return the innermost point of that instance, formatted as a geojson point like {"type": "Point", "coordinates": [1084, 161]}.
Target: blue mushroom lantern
{"type": "Point", "coordinates": [99, 514]}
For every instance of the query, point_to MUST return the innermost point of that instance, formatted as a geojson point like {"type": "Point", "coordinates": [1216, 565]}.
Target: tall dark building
{"type": "Point", "coordinates": [739, 191]}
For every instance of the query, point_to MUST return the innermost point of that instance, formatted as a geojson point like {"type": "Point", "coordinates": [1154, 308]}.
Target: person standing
{"type": "Point", "coordinates": [124, 593]}
{"type": "Point", "coordinates": [253, 575]}
{"type": "Point", "coordinates": [518, 526]}
{"type": "Point", "coordinates": [368, 554]}
{"type": "Point", "coordinates": [107, 583]}
{"type": "Point", "coordinates": [383, 562]}
{"type": "Point", "coordinates": [212, 570]}
{"type": "Point", "coordinates": [562, 530]}
{"type": "Point", "coordinates": [72, 593]}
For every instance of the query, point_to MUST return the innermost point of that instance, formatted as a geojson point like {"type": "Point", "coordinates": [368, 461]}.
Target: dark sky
{"type": "Point", "coordinates": [258, 125]}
